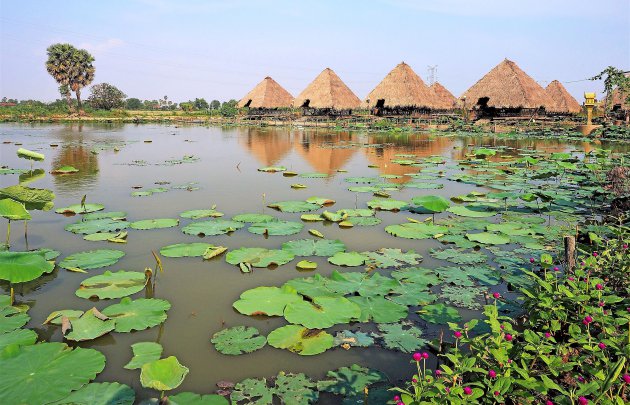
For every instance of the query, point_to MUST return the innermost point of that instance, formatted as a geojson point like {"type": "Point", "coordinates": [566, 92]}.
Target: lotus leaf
{"type": "Point", "coordinates": [315, 286]}
{"type": "Point", "coordinates": [116, 215]}
{"type": "Point", "coordinates": [420, 277]}
{"type": "Point", "coordinates": [154, 223]}
{"type": "Point", "coordinates": [385, 258]}
{"type": "Point", "coordinates": [350, 259]}
{"type": "Point", "coordinates": [196, 249]}
{"type": "Point", "coordinates": [459, 240]}
{"type": "Point", "coordinates": [253, 391]}
{"type": "Point", "coordinates": [350, 381]}
{"type": "Point", "coordinates": [459, 257]}
{"type": "Point", "coordinates": [396, 337]}
{"type": "Point", "coordinates": [97, 225]}
{"type": "Point", "coordinates": [106, 236]}
{"type": "Point", "coordinates": [141, 193]}
{"type": "Point", "coordinates": [386, 204]}
{"type": "Point", "coordinates": [65, 170]}
{"type": "Point", "coordinates": [362, 180]}
{"type": "Point", "coordinates": [93, 259]}
{"type": "Point", "coordinates": [313, 175]}
{"type": "Point", "coordinates": [20, 267]}
{"type": "Point", "coordinates": [302, 341]}
{"type": "Point", "coordinates": [364, 221]}
{"type": "Point", "coordinates": [112, 285]}
{"type": "Point", "coordinates": [314, 247]}
{"type": "Point", "coordinates": [488, 238]}
{"type": "Point", "coordinates": [259, 257]}
{"type": "Point", "coordinates": [80, 209]}
{"type": "Point", "coordinates": [29, 154]}
{"type": "Point", "coordinates": [270, 301]}
{"type": "Point", "coordinates": [306, 265]}
{"type": "Point", "coordinates": [320, 200]}
{"type": "Point", "coordinates": [139, 314]}
{"type": "Point", "coordinates": [13, 210]}
{"type": "Point", "coordinates": [295, 389]}
{"type": "Point", "coordinates": [272, 169]}
{"type": "Point", "coordinates": [431, 203]}
{"type": "Point", "coordinates": [322, 312]}
{"type": "Point", "coordinates": [46, 372]}
{"type": "Point", "coordinates": [471, 211]}
{"type": "Point", "coordinates": [439, 314]}
{"type": "Point", "coordinates": [348, 338]}
{"type": "Point", "coordinates": [276, 228]}
{"type": "Point", "coordinates": [333, 216]}
{"type": "Point", "coordinates": [32, 198]}
{"type": "Point", "coordinates": [89, 326]}
{"type": "Point", "coordinates": [462, 297]}
{"type": "Point", "coordinates": [409, 294]}
{"type": "Point", "coordinates": [18, 337]}
{"type": "Point", "coordinates": [379, 310]}
{"type": "Point", "coordinates": [311, 217]}
{"type": "Point", "coordinates": [163, 375]}
{"type": "Point", "coordinates": [294, 206]}
{"type": "Point", "coordinates": [424, 185]}
{"type": "Point", "coordinates": [189, 398]}
{"type": "Point", "coordinates": [144, 352]}
{"type": "Point", "coordinates": [415, 230]}
{"type": "Point", "coordinates": [317, 233]}
{"type": "Point", "coordinates": [298, 185]}
{"type": "Point", "coordinates": [360, 282]}
{"type": "Point", "coordinates": [238, 340]}
{"type": "Point", "coordinates": [56, 317]}
{"type": "Point", "coordinates": [363, 189]}
{"type": "Point", "coordinates": [356, 212]}
{"type": "Point", "coordinates": [198, 214]}
{"type": "Point", "coordinates": [484, 274]}
{"type": "Point", "coordinates": [100, 394]}
{"type": "Point", "coordinates": [212, 227]}
{"type": "Point", "coordinates": [253, 218]}
{"type": "Point", "coordinates": [11, 318]}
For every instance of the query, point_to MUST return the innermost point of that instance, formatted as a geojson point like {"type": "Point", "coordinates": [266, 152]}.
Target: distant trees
{"type": "Point", "coordinates": [228, 108]}
{"type": "Point", "coordinates": [133, 104]}
{"type": "Point", "coordinates": [201, 104]}
{"type": "Point", "coordinates": [615, 80]}
{"type": "Point", "coordinates": [104, 96]}
{"type": "Point", "coordinates": [215, 104]}
{"type": "Point", "coordinates": [70, 67]}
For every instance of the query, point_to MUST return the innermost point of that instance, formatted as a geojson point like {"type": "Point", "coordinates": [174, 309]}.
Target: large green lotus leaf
{"type": "Point", "coordinates": [4, 170]}
{"type": "Point", "coordinates": [488, 238]}
{"type": "Point", "coordinates": [320, 200]}
{"type": "Point", "coordinates": [302, 341]}
{"type": "Point", "coordinates": [396, 337]}
{"type": "Point", "coordinates": [484, 274]}
{"type": "Point", "coordinates": [93, 259]}
{"type": "Point", "coordinates": [350, 259]}
{"type": "Point", "coordinates": [276, 228]}
{"type": "Point", "coordinates": [252, 391]}
{"type": "Point", "coordinates": [350, 381]}
{"type": "Point", "coordinates": [484, 152]}
{"type": "Point", "coordinates": [163, 375]}
{"type": "Point", "coordinates": [313, 175]}
{"type": "Point", "coordinates": [471, 211]}
{"type": "Point", "coordinates": [409, 294]}
{"type": "Point", "coordinates": [316, 286]}
{"type": "Point", "coordinates": [20, 267]}
{"type": "Point", "coordinates": [363, 180]}
{"type": "Point", "coordinates": [106, 236]}
{"type": "Point", "coordinates": [454, 275]}
{"type": "Point", "coordinates": [30, 155]}
{"type": "Point", "coordinates": [100, 394]}
{"type": "Point", "coordinates": [238, 340]}
{"type": "Point", "coordinates": [356, 212]}
{"type": "Point", "coordinates": [294, 206]}
{"type": "Point", "coordinates": [420, 277]}
{"type": "Point", "coordinates": [259, 257]}
{"type": "Point", "coordinates": [354, 339]}
{"type": "Point", "coordinates": [322, 312]}
{"type": "Point", "coordinates": [459, 257]}
{"type": "Point", "coordinates": [112, 285]}
{"type": "Point", "coordinates": [314, 247]}
{"type": "Point", "coordinates": [80, 209]}
{"type": "Point", "coordinates": [379, 310]}
{"type": "Point", "coordinates": [385, 258]}
{"type": "Point", "coordinates": [295, 389]}
{"type": "Point", "coordinates": [154, 223]}
{"type": "Point", "coordinates": [190, 398]}
{"type": "Point", "coordinates": [32, 198]}
{"type": "Point", "coordinates": [431, 203]}
{"type": "Point", "coordinates": [144, 352]}
{"type": "Point", "coordinates": [363, 189]}
{"type": "Point", "coordinates": [414, 230]}
{"type": "Point", "coordinates": [13, 210]}
{"type": "Point", "coordinates": [439, 314]}
{"type": "Point", "coordinates": [364, 221]}
{"type": "Point", "coordinates": [360, 282]}
{"type": "Point", "coordinates": [97, 225]}
{"type": "Point", "coordinates": [18, 337]}
{"type": "Point", "coordinates": [196, 249]}
{"type": "Point", "coordinates": [139, 314]}
{"type": "Point", "coordinates": [116, 215]}
{"type": "Point", "coordinates": [459, 240]}
{"type": "Point", "coordinates": [46, 372]}
{"type": "Point", "coordinates": [385, 204]}
{"type": "Point", "coordinates": [424, 185]}
{"type": "Point", "coordinates": [198, 214]}
{"type": "Point", "coordinates": [65, 170]}
{"type": "Point", "coordinates": [56, 317]}
{"type": "Point", "coordinates": [462, 297]}
{"type": "Point", "coordinates": [11, 318]}
{"type": "Point", "coordinates": [253, 218]}
{"type": "Point", "coordinates": [333, 216]}
{"type": "Point", "coordinates": [212, 227]}
{"type": "Point", "coordinates": [270, 301]}
{"type": "Point", "coordinates": [511, 228]}
{"type": "Point", "coordinates": [89, 326]}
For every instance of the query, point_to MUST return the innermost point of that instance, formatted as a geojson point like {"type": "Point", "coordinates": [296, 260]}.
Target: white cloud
{"type": "Point", "coordinates": [102, 47]}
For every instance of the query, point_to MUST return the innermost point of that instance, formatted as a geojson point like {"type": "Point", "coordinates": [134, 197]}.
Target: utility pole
{"type": "Point", "coordinates": [431, 74]}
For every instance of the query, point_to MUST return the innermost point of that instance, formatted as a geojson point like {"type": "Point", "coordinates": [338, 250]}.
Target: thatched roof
{"type": "Point", "coordinates": [267, 94]}
{"type": "Point", "coordinates": [444, 99]}
{"type": "Point", "coordinates": [402, 87]}
{"type": "Point", "coordinates": [560, 101]}
{"type": "Point", "coordinates": [507, 86]}
{"type": "Point", "coordinates": [327, 91]}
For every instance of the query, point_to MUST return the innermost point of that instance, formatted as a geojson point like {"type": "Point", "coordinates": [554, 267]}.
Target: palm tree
{"type": "Point", "coordinates": [81, 73]}
{"type": "Point", "coordinates": [58, 66]}
{"type": "Point", "coordinates": [70, 67]}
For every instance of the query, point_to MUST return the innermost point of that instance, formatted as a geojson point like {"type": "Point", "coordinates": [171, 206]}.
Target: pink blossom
{"type": "Point", "coordinates": [588, 319]}
{"type": "Point", "coordinates": [531, 260]}
{"type": "Point", "coordinates": [467, 390]}
{"type": "Point", "coordinates": [599, 286]}
{"type": "Point", "coordinates": [400, 403]}
{"type": "Point", "coordinates": [438, 372]}
{"type": "Point", "coordinates": [601, 345]}
{"type": "Point", "coordinates": [580, 379]}
{"type": "Point", "coordinates": [582, 401]}
{"type": "Point", "coordinates": [396, 398]}
{"type": "Point", "coordinates": [496, 393]}
{"type": "Point", "coordinates": [601, 303]}
{"type": "Point", "coordinates": [508, 337]}
{"type": "Point", "coordinates": [425, 355]}
{"type": "Point", "coordinates": [492, 374]}
{"type": "Point", "coordinates": [626, 378]}
{"type": "Point", "coordinates": [548, 402]}
{"type": "Point", "coordinates": [625, 246]}
{"type": "Point", "coordinates": [547, 335]}
{"type": "Point", "coordinates": [571, 278]}
{"type": "Point", "coordinates": [417, 356]}
{"type": "Point", "coordinates": [496, 295]}
{"type": "Point", "coordinates": [413, 380]}
{"type": "Point", "coordinates": [457, 334]}
{"type": "Point", "coordinates": [556, 268]}
{"type": "Point", "coordinates": [447, 389]}
{"type": "Point", "coordinates": [595, 254]}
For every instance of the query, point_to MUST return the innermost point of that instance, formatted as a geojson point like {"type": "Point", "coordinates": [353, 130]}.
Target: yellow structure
{"type": "Point", "coordinates": [589, 103]}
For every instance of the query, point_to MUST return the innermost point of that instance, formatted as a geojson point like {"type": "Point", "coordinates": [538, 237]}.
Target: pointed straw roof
{"type": "Point", "coordinates": [267, 94]}
{"type": "Point", "coordinates": [507, 86]}
{"type": "Point", "coordinates": [560, 101]}
{"type": "Point", "coordinates": [444, 99]}
{"type": "Point", "coordinates": [402, 87]}
{"type": "Point", "coordinates": [328, 91]}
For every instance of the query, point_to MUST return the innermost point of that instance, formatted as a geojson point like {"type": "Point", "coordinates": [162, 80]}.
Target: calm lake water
{"type": "Point", "coordinates": [202, 292]}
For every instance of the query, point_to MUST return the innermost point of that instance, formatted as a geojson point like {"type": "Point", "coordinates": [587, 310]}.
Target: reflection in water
{"type": "Point", "coordinates": [81, 158]}
{"type": "Point", "coordinates": [31, 176]}
{"type": "Point", "coordinates": [312, 146]}
{"type": "Point", "coordinates": [268, 146]}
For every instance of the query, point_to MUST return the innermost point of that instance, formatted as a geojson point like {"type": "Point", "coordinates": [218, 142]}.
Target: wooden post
{"type": "Point", "coordinates": [569, 252]}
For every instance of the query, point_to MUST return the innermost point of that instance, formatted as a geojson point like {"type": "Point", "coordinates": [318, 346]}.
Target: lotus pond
{"type": "Point", "coordinates": [300, 265]}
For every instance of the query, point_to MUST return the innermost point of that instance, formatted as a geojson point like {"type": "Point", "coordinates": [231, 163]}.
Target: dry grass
{"type": "Point", "coordinates": [402, 87]}
{"type": "Point", "coordinates": [444, 99]}
{"type": "Point", "coordinates": [328, 91]}
{"type": "Point", "coordinates": [560, 101]}
{"type": "Point", "coordinates": [267, 94]}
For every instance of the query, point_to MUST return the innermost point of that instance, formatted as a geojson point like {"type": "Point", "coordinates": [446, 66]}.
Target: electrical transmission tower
{"type": "Point", "coordinates": [432, 74]}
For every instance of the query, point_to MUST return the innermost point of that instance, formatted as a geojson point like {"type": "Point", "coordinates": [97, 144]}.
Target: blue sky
{"type": "Point", "coordinates": [221, 49]}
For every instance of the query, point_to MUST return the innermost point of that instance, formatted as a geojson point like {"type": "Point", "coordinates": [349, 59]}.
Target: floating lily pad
{"type": "Point", "coordinates": [65, 170]}
{"type": "Point", "coordinates": [163, 375]}
{"type": "Point", "coordinates": [93, 259]}
{"type": "Point", "coordinates": [385, 258]}
{"type": "Point", "coordinates": [396, 337]}
{"type": "Point", "coordinates": [80, 209]}
{"type": "Point", "coordinates": [276, 228]}
{"type": "Point", "coordinates": [320, 200]}
{"type": "Point", "coordinates": [20, 267]}
{"type": "Point", "coordinates": [13, 210]}
{"type": "Point", "coordinates": [350, 381]}
{"type": "Point", "coordinates": [238, 340]}
{"type": "Point", "coordinates": [196, 249]}
{"type": "Point", "coordinates": [56, 317]}
{"type": "Point", "coordinates": [488, 238]}
{"type": "Point", "coordinates": [314, 247]}
{"type": "Point", "coordinates": [100, 394]}
{"type": "Point", "coordinates": [439, 314]}
{"type": "Point", "coordinates": [154, 223]}
{"type": "Point", "coordinates": [198, 214]}
{"type": "Point", "coordinates": [253, 218]}
{"type": "Point", "coordinates": [462, 296]}
{"type": "Point", "coordinates": [294, 206]}
{"type": "Point", "coordinates": [106, 236]}
{"type": "Point", "coordinates": [459, 256]}
{"type": "Point", "coordinates": [112, 285]}
{"type": "Point", "coordinates": [322, 312]}
{"type": "Point", "coordinates": [115, 215]}
{"type": "Point", "coordinates": [272, 169]}
{"type": "Point", "coordinates": [424, 185]}
{"type": "Point", "coordinates": [30, 155]}
{"type": "Point", "coordinates": [414, 230]}
{"type": "Point", "coordinates": [431, 203]}
{"type": "Point", "coordinates": [17, 337]}
{"type": "Point", "coordinates": [311, 217]}
{"type": "Point", "coordinates": [379, 310]}
{"type": "Point", "coordinates": [144, 352]}
{"type": "Point", "coordinates": [89, 326]}
{"type": "Point", "coordinates": [32, 198]}
{"type": "Point", "coordinates": [300, 340]}
{"type": "Point", "coordinates": [212, 227]}
{"type": "Point", "coordinates": [387, 204]}
{"type": "Point", "coordinates": [313, 175]}
{"type": "Point", "coordinates": [354, 339]}
{"type": "Point", "coordinates": [364, 221]}
{"type": "Point", "coordinates": [139, 314]}
{"type": "Point", "coordinates": [471, 211]}
{"type": "Point", "coordinates": [259, 257]}
{"type": "Point", "coordinates": [306, 265]}
{"type": "Point", "coordinates": [189, 398]}
{"type": "Point", "coordinates": [270, 301]}
{"type": "Point", "coordinates": [350, 259]}
{"type": "Point", "coordinates": [97, 225]}
{"type": "Point", "coordinates": [11, 318]}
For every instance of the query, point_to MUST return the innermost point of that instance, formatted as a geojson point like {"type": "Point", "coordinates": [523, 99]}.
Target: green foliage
{"type": "Point", "coordinates": [70, 67]}
{"type": "Point", "coordinates": [238, 340]}
{"type": "Point", "coordinates": [104, 96]}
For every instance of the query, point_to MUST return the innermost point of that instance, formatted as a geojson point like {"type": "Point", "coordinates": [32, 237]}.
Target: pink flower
{"type": "Point", "coordinates": [396, 398]}
{"type": "Point", "coordinates": [582, 401]}
{"type": "Point", "coordinates": [492, 374]}
{"type": "Point", "coordinates": [509, 361]}
{"type": "Point", "coordinates": [571, 278]}
{"type": "Point", "coordinates": [400, 403]}
{"type": "Point", "coordinates": [625, 246]}
{"type": "Point", "coordinates": [417, 356]}
{"type": "Point", "coordinates": [583, 263]}
{"type": "Point", "coordinates": [547, 335]}
{"type": "Point", "coordinates": [531, 260]}
{"type": "Point", "coordinates": [496, 295]}
{"type": "Point", "coordinates": [413, 380]}
{"type": "Point", "coordinates": [467, 390]}
{"type": "Point", "coordinates": [425, 355]}
{"type": "Point", "coordinates": [496, 393]}
{"type": "Point", "coordinates": [599, 286]}
{"type": "Point", "coordinates": [502, 327]}
{"type": "Point", "coordinates": [626, 378]}
{"type": "Point", "coordinates": [447, 389]}
{"type": "Point", "coordinates": [508, 337]}
{"type": "Point", "coordinates": [595, 254]}
{"type": "Point", "coordinates": [438, 372]}
{"type": "Point", "coordinates": [548, 402]}
{"type": "Point", "coordinates": [580, 379]}
{"type": "Point", "coordinates": [457, 334]}
{"type": "Point", "coordinates": [601, 303]}
{"type": "Point", "coordinates": [588, 319]}
{"type": "Point", "coordinates": [556, 269]}
{"type": "Point", "coordinates": [601, 345]}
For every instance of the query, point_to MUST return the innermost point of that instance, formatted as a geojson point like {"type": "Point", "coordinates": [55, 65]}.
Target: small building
{"type": "Point", "coordinates": [327, 95]}
{"type": "Point", "coordinates": [444, 99]}
{"type": "Point", "coordinates": [506, 90]}
{"type": "Point", "coordinates": [560, 101]}
{"type": "Point", "coordinates": [401, 92]}
{"type": "Point", "coordinates": [268, 96]}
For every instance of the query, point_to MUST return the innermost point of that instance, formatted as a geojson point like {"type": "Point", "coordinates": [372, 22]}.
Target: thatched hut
{"type": "Point", "coordinates": [402, 91]}
{"type": "Point", "coordinates": [506, 90]}
{"type": "Point", "coordinates": [444, 99]}
{"type": "Point", "coordinates": [267, 96]}
{"type": "Point", "coordinates": [559, 100]}
{"type": "Point", "coordinates": [327, 95]}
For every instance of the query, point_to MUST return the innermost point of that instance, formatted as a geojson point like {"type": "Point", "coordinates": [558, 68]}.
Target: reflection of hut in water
{"type": "Point", "coordinates": [81, 158]}
{"type": "Point", "coordinates": [444, 99]}
{"type": "Point", "coordinates": [560, 101]}
{"type": "Point", "coordinates": [505, 90]}
{"type": "Point", "coordinates": [317, 152]}
{"type": "Point", "coordinates": [401, 92]}
{"type": "Point", "coordinates": [267, 97]}
{"type": "Point", "coordinates": [327, 95]}
{"type": "Point", "coordinates": [268, 146]}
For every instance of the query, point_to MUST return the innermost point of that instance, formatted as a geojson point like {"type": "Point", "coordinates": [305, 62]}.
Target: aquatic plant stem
{"type": "Point", "coordinates": [8, 233]}
{"type": "Point", "coordinates": [12, 296]}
